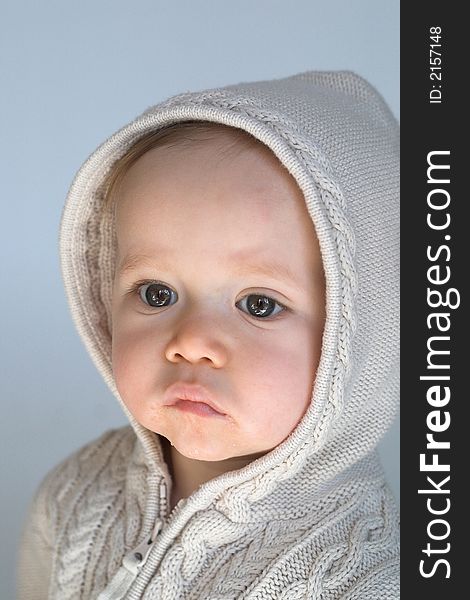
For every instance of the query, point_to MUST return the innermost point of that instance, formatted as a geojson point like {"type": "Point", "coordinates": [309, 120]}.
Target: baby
{"type": "Point", "coordinates": [218, 300]}
{"type": "Point", "coordinates": [230, 258]}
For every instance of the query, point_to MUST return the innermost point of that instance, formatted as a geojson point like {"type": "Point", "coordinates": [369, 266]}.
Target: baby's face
{"type": "Point", "coordinates": [229, 294]}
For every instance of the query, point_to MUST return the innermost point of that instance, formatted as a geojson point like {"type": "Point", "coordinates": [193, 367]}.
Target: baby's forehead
{"type": "Point", "coordinates": [204, 152]}
{"type": "Point", "coordinates": [255, 200]}
{"type": "Point", "coordinates": [230, 164]}
{"type": "Point", "coordinates": [261, 226]}
{"type": "Point", "coordinates": [223, 190]}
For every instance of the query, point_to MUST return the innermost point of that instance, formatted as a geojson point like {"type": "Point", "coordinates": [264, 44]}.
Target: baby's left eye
{"type": "Point", "coordinates": [260, 306]}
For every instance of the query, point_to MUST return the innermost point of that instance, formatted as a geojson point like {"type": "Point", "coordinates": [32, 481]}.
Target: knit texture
{"type": "Point", "coordinates": [314, 517]}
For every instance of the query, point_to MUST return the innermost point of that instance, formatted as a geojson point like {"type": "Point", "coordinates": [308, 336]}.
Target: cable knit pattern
{"type": "Point", "coordinates": [314, 517]}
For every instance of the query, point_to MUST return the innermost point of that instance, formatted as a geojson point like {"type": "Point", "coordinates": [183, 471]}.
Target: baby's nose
{"type": "Point", "coordinates": [197, 340]}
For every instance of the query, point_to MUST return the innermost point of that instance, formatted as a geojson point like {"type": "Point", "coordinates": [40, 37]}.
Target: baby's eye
{"type": "Point", "coordinates": [155, 294]}
{"type": "Point", "coordinates": [260, 306]}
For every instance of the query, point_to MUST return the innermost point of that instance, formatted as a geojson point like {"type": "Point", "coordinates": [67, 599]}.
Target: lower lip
{"type": "Point", "coordinates": [198, 408]}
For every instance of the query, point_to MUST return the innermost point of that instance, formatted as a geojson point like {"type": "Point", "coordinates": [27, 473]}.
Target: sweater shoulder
{"type": "Point", "coordinates": [77, 464]}
{"type": "Point", "coordinates": [104, 457]}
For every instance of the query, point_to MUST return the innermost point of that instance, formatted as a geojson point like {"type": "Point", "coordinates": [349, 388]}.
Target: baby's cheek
{"type": "Point", "coordinates": [288, 366]}
{"type": "Point", "coordinates": [291, 391]}
{"type": "Point", "coordinates": [125, 370]}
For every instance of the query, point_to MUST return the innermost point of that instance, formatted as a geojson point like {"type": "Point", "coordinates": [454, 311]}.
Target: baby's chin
{"type": "Point", "coordinates": [196, 439]}
{"type": "Point", "coordinates": [203, 446]}
{"type": "Point", "coordinates": [200, 447]}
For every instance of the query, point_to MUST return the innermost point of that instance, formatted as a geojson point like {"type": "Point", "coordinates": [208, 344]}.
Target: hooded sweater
{"type": "Point", "coordinates": [312, 518]}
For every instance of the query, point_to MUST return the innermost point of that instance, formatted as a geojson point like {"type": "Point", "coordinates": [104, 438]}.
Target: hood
{"type": "Point", "coordinates": [338, 139]}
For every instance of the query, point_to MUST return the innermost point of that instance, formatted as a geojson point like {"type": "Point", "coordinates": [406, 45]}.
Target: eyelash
{"type": "Point", "coordinates": [134, 290]}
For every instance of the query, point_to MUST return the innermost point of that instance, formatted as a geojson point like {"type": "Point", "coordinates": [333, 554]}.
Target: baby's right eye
{"type": "Point", "coordinates": [154, 294]}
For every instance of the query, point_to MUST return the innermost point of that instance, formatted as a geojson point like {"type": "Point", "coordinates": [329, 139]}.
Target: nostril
{"type": "Point", "coordinates": [196, 349]}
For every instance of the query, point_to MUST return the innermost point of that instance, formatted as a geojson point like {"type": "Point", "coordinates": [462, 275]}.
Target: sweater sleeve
{"type": "Point", "coordinates": [380, 583]}
{"type": "Point", "coordinates": [34, 559]}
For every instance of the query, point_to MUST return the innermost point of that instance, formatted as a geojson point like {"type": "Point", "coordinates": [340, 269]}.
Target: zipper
{"type": "Point", "coordinates": [132, 563]}
{"type": "Point", "coordinates": [136, 559]}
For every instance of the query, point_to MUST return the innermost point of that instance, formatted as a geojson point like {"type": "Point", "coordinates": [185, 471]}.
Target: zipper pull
{"type": "Point", "coordinates": [163, 500]}
{"type": "Point", "coordinates": [135, 560]}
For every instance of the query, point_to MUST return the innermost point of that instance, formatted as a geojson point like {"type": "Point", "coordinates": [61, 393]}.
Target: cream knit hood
{"type": "Point", "coordinates": [338, 139]}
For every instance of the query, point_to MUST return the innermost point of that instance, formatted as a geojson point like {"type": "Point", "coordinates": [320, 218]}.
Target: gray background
{"type": "Point", "coordinates": [72, 73]}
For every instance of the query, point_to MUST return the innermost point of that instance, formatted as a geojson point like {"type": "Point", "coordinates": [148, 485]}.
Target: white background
{"type": "Point", "coordinates": [71, 74]}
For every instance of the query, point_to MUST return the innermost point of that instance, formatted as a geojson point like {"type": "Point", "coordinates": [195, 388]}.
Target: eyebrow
{"type": "Point", "coordinates": [274, 270]}
{"type": "Point", "coordinates": [131, 262]}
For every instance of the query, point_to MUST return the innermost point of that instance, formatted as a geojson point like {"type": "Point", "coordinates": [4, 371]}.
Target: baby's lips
{"type": "Point", "coordinates": [192, 392]}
